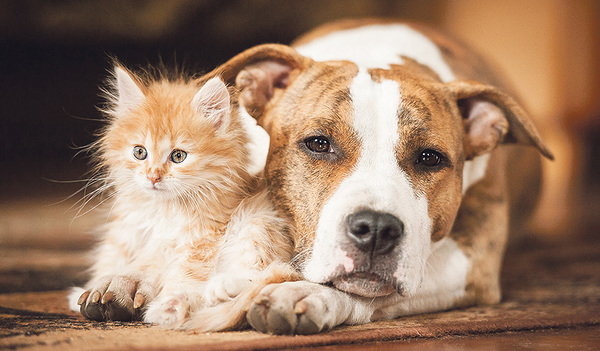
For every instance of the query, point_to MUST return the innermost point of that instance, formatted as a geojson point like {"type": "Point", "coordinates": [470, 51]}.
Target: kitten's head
{"type": "Point", "coordinates": [171, 139]}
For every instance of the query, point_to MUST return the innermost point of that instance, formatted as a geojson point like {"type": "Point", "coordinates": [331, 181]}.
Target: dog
{"type": "Point", "coordinates": [390, 156]}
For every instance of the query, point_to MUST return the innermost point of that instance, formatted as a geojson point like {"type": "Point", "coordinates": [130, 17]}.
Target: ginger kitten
{"type": "Point", "coordinates": [178, 169]}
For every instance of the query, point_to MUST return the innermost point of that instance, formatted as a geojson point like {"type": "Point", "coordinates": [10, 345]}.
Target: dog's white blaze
{"type": "Point", "coordinates": [378, 46]}
{"type": "Point", "coordinates": [377, 183]}
{"type": "Point", "coordinates": [474, 170]}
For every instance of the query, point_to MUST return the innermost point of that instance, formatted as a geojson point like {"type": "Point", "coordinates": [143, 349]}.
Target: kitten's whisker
{"type": "Point", "coordinates": [79, 214]}
{"type": "Point", "coordinates": [110, 210]}
{"type": "Point", "coordinates": [88, 197]}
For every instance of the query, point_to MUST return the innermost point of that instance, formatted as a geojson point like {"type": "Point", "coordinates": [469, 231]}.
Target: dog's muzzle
{"type": "Point", "coordinates": [374, 234]}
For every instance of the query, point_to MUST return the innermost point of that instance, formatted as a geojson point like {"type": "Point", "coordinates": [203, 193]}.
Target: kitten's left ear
{"type": "Point", "coordinates": [212, 100]}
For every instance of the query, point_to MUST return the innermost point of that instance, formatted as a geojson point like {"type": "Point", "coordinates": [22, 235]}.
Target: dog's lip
{"type": "Point", "coordinates": [364, 284]}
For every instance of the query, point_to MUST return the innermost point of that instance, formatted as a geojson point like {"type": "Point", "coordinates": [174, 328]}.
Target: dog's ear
{"type": "Point", "coordinates": [258, 82]}
{"type": "Point", "coordinates": [491, 117]}
{"type": "Point", "coordinates": [259, 72]}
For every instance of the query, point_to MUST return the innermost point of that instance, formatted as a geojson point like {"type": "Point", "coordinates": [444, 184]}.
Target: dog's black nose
{"type": "Point", "coordinates": [375, 232]}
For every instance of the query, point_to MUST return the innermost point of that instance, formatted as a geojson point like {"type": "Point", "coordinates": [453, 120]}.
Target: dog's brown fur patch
{"type": "Point", "coordinates": [316, 103]}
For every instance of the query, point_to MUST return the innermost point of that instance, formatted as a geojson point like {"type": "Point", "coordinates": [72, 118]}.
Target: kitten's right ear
{"type": "Point", "coordinates": [212, 100]}
{"type": "Point", "coordinates": [128, 93]}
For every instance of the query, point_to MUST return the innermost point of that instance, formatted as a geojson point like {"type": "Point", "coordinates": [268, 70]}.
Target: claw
{"type": "Point", "coordinates": [107, 297]}
{"type": "Point", "coordinates": [300, 308]}
{"type": "Point", "coordinates": [83, 297]}
{"type": "Point", "coordinates": [95, 297]}
{"type": "Point", "coordinates": [138, 300]}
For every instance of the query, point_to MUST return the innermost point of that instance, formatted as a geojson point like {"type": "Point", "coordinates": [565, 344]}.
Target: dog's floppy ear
{"type": "Point", "coordinates": [258, 72]}
{"type": "Point", "coordinates": [491, 117]}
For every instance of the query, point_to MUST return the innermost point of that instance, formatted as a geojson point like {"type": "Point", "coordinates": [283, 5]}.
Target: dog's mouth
{"type": "Point", "coordinates": [364, 284]}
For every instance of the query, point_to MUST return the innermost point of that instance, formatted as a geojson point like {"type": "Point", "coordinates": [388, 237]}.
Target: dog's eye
{"type": "Point", "coordinates": [318, 144]}
{"type": "Point", "coordinates": [429, 158]}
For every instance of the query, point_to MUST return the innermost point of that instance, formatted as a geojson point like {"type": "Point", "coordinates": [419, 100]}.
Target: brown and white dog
{"type": "Point", "coordinates": [385, 156]}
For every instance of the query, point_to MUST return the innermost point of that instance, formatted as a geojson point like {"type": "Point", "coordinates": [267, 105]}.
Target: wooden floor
{"type": "Point", "coordinates": [581, 339]}
{"type": "Point", "coordinates": [551, 300]}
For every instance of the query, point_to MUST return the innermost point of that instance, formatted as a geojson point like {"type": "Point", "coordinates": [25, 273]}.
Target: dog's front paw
{"type": "Point", "coordinates": [168, 310]}
{"type": "Point", "coordinates": [224, 287]}
{"type": "Point", "coordinates": [115, 298]}
{"type": "Point", "coordinates": [294, 308]}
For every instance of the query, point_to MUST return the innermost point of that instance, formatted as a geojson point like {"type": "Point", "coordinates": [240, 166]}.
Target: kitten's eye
{"type": "Point", "coordinates": [140, 152]}
{"type": "Point", "coordinates": [429, 158]}
{"type": "Point", "coordinates": [318, 144]}
{"type": "Point", "coordinates": [178, 156]}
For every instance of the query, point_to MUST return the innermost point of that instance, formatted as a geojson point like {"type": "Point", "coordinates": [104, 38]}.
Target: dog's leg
{"type": "Point", "coordinates": [305, 308]}
{"type": "Point", "coordinates": [481, 231]}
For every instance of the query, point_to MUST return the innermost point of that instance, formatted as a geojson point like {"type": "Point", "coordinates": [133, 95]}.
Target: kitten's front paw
{"type": "Point", "coordinates": [224, 287]}
{"type": "Point", "coordinates": [169, 311]}
{"type": "Point", "coordinates": [115, 298]}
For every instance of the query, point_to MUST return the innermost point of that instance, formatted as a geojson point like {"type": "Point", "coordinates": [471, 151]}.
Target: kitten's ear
{"type": "Point", "coordinates": [129, 95]}
{"type": "Point", "coordinates": [212, 100]}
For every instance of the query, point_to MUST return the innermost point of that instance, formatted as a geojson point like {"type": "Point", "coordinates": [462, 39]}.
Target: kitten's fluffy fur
{"type": "Point", "coordinates": [175, 165]}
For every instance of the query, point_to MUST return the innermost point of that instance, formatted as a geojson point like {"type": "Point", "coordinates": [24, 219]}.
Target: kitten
{"type": "Point", "coordinates": [179, 173]}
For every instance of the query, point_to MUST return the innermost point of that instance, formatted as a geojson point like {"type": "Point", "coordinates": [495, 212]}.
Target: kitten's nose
{"type": "Point", "coordinates": [154, 177]}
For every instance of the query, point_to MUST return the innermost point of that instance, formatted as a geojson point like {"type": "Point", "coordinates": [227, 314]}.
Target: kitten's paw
{"type": "Point", "coordinates": [169, 311]}
{"type": "Point", "coordinates": [224, 287]}
{"type": "Point", "coordinates": [116, 298]}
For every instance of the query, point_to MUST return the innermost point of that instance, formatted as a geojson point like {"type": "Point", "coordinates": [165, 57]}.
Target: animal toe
{"type": "Point", "coordinates": [223, 288]}
{"type": "Point", "coordinates": [112, 299]}
{"type": "Point", "coordinates": [288, 308]}
{"type": "Point", "coordinates": [168, 312]}
{"type": "Point", "coordinates": [93, 311]}
{"type": "Point", "coordinates": [268, 316]}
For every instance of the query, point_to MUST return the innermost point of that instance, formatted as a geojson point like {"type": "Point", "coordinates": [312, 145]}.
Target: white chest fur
{"type": "Point", "coordinates": [150, 237]}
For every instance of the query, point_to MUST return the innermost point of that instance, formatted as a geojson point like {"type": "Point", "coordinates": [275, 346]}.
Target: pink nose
{"type": "Point", "coordinates": [154, 177]}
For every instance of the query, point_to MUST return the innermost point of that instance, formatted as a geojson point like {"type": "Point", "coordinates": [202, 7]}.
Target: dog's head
{"type": "Point", "coordinates": [368, 164]}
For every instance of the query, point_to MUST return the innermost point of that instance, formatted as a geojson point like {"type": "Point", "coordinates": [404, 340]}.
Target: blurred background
{"type": "Point", "coordinates": [54, 55]}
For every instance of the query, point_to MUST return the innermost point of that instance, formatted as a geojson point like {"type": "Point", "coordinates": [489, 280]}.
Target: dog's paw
{"type": "Point", "coordinates": [294, 308]}
{"type": "Point", "coordinates": [168, 310]}
{"type": "Point", "coordinates": [224, 287]}
{"type": "Point", "coordinates": [115, 298]}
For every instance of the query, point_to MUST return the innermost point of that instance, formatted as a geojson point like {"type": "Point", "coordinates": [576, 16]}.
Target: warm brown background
{"type": "Point", "coordinates": [53, 55]}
